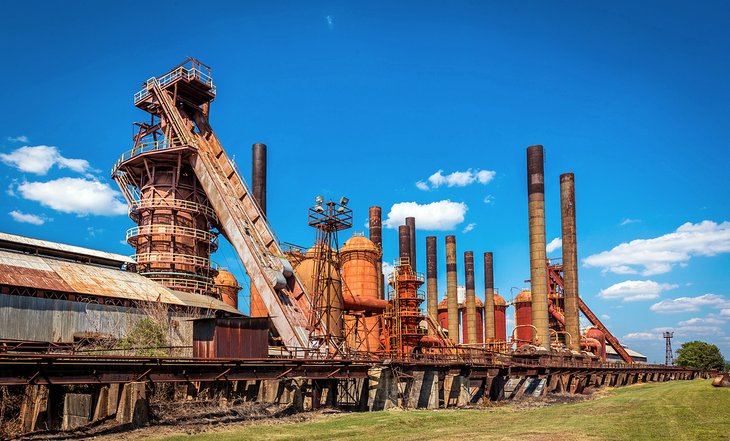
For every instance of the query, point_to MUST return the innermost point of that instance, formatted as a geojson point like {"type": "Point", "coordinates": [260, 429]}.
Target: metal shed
{"type": "Point", "coordinates": [239, 337]}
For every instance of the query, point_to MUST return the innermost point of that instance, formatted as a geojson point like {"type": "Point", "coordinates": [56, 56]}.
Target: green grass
{"type": "Point", "coordinates": [678, 410]}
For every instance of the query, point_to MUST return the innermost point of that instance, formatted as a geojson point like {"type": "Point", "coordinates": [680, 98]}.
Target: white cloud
{"type": "Point", "coordinates": [388, 269]}
{"type": "Point", "coordinates": [642, 336]}
{"type": "Point", "coordinates": [698, 321]}
{"type": "Point", "coordinates": [468, 228]}
{"type": "Point", "coordinates": [422, 186]}
{"type": "Point", "coordinates": [488, 199]}
{"type": "Point", "coordinates": [633, 290]}
{"type": "Point", "coordinates": [629, 221]}
{"type": "Point", "coordinates": [725, 312]}
{"type": "Point", "coordinates": [605, 317]}
{"type": "Point", "coordinates": [690, 304]}
{"type": "Point", "coordinates": [27, 218]}
{"type": "Point", "coordinates": [457, 179]}
{"type": "Point", "coordinates": [660, 254]}
{"type": "Point", "coordinates": [75, 195]}
{"type": "Point", "coordinates": [39, 159]}
{"type": "Point", "coordinates": [554, 245]}
{"type": "Point", "coordinates": [21, 138]}
{"type": "Point", "coordinates": [442, 215]}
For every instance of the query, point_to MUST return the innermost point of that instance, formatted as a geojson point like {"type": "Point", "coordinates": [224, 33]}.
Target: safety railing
{"type": "Point", "coordinates": [183, 259]}
{"type": "Point", "coordinates": [176, 283]}
{"type": "Point", "coordinates": [145, 147]}
{"type": "Point", "coordinates": [173, 204]}
{"type": "Point", "coordinates": [172, 230]}
{"type": "Point", "coordinates": [181, 72]}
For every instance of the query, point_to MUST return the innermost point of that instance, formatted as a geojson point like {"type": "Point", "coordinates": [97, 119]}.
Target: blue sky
{"type": "Point", "coordinates": [367, 99]}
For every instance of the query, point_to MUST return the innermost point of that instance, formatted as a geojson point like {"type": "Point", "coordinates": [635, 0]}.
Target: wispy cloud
{"type": "Point", "coordinates": [39, 159]}
{"type": "Point", "coordinates": [456, 179]}
{"type": "Point", "coordinates": [75, 195]}
{"type": "Point", "coordinates": [330, 19]}
{"type": "Point", "coordinates": [690, 304]}
{"type": "Point", "coordinates": [660, 254]}
{"type": "Point", "coordinates": [634, 290]}
{"type": "Point", "coordinates": [442, 215]}
{"type": "Point", "coordinates": [488, 199]}
{"type": "Point", "coordinates": [554, 245]}
{"type": "Point", "coordinates": [642, 336]}
{"type": "Point", "coordinates": [21, 138]}
{"type": "Point", "coordinates": [629, 221]}
{"type": "Point", "coordinates": [27, 218]}
{"type": "Point", "coordinates": [468, 228]}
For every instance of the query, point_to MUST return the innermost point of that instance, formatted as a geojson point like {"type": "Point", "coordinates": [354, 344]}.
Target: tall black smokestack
{"type": "Point", "coordinates": [258, 175]}
{"type": "Point", "coordinates": [411, 222]}
{"type": "Point", "coordinates": [404, 242]}
{"type": "Point", "coordinates": [376, 236]}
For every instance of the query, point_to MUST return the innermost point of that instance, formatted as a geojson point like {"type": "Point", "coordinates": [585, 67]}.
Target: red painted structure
{"type": "Point", "coordinates": [500, 318]}
{"type": "Point", "coordinates": [240, 337]}
{"type": "Point", "coordinates": [523, 317]}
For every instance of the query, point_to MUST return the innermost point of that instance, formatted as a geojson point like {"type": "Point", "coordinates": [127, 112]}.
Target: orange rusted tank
{"type": "Point", "coordinates": [600, 337]}
{"type": "Point", "coordinates": [500, 318]}
{"type": "Point", "coordinates": [331, 299]}
{"type": "Point", "coordinates": [228, 287]}
{"type": "Point", "coordinates": [523, 317]}
{"type": "Point", "coordinates": [480, 319]}
{"type": "Point", "coordinates": [359, 258]}
{"type": "Point", "coordinates": [443, 314]}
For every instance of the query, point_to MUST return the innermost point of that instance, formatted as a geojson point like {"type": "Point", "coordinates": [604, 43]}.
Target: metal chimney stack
{"type": "Point", "coordinates": [538, 258]}
{"type": "Point", "coordinates": [376, 237]}
{"type": "Point", "coordinates": [470, 300]}
{"type": "Point", "coordinates": [451, 295]}
{"type": "Point", "coordinates": [489, 326]}
{"type": "Point", "coordinates": [258, 175]}
{"type": "Point", "coordinates": [432, 289]}
{"type": "Point", "coordinates": [570, 259]}
{"type": "Point", "coordinates": [411, 223]}
{"type": "Point", "coordinates": [404, 242]}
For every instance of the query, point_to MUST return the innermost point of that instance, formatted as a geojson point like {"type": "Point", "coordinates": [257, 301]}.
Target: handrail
{"type": "Point", "coordinates": [171, 230]}
{"type": "Point", "coordinates": [182, 204]}
{"type": "Point", "coordinates": [187, 73]}
{"type": "Point", "coordinates": [184, 259]}
{"type": "Point", "coordinates": [145, 147]}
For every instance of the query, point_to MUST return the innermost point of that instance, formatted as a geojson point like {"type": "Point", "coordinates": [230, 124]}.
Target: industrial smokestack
{"type": "Point", "coordinates": [538, 258]}
{"type": "Point", "coordinates": [258, 175]}
{"type": "Point", "coordinates": [411, 222]}
{"type": "Point", "coordinates": [404, 242]}
{"type": "Point", "coordinates": [570, 259]}
{"type": "Point", "coordinates": [452, 299]}
{"type": "Point", "coordinates": [471, 307]}
{"type": "Point", "coordinates": [376, 236]}
{"type": "Point", "coordinates": [432, 289]}
{"type": "Point", "coordinates": [489, 326]}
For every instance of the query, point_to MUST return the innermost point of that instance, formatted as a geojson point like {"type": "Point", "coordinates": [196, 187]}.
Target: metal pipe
{"type": "Point", "coordinates": [376, 236]}
{"type": "Point", "coordinates": [451, 296]}
{"type": "Point", "coordinates": [404, 243]}
{"type": "Point", "coordinates": [489, 323]}
{"type": "Point", "coordinates": [258, 175]}
{"type": "Point", "coordinates": [432, 289]}
{"type": "Point", "coordinates": [470, 300]}
{"type": "Point", "coordinates": [411, 222]}
{"type": "Point", "coordinates": [570, 257]}
{"type": "Point", "coordinates": [538, 258]}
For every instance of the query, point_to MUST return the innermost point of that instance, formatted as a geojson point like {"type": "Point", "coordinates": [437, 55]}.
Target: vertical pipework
{"type": "Point", "coordinates": [404, 242]}
{"type": "Point", "coordinates": [411, 223]}
{"type": "Point", "coordinates": [376, 237]}
{"type": "Point", "coordinates": [452, 300]}
{"type": "Point", "coordinates": [489, 326]}
{"type": "Point", "coordinates": [258, 175]}
{"type": "Point", "coordinates": [570, 258]}
{"type": "Point", "coordinates": [432, 289]}
{"type": "Point", "coordinates": [471, 306]}
{"type": "Point", "coordinates": [538, 258]}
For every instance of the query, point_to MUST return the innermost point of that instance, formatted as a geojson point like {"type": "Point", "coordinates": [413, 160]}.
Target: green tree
{"type": "Point", "coordinates": [699, 355]}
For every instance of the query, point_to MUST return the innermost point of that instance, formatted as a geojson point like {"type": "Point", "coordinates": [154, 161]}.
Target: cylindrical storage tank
{"type": "Point", "coordinates": [331, 299]}
{"type": "Point", "coordinates": [523, 317]}
{"type": "Point", "coordinates": [443, 314]}
{"type": "Point", "coordinates": [360, 257]}
{"type": "Point", "coordinates": [598, 335]}
{"type": "Point", "coordinates": [479, 309]}
{"type": "Point", "coordinates": [228, 287]}
{"type": "Point", "coordinates": [500, 318]}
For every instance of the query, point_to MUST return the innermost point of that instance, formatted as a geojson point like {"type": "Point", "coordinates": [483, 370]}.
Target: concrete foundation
{"type": "Point", "coordinates": [76, 410]}
{"type": "Point", "coordinates": [133, 405]}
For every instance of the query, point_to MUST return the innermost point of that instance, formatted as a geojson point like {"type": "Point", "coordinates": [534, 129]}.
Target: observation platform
{"type": "Point", "coordinates": [190, 83]}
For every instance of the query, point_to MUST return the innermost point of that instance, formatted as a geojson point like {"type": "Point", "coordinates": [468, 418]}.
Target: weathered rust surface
{"type": "Point", "coordinates": [432, 277]}
{"type": "Point", "coordinates": [570, 258]}
{"type": "Point", "coordinates": [489, 316]}
{"type": "Point", "coordinates": [55, 249]}
{"type": "Point", "coordinates": [404, 242]}
{"type": "Point", "coordinates": [258, 175]}
{"type": "Point", "coordinates": [451, 296]}
{"type": "Point", "coordinates": [470, 300]}
{"type": "Point", "coordinates": [376, 236]}
{"type": "Point", "coordinates": [538, 258]}
{"type": "Point", "coordinates": [411, 223]}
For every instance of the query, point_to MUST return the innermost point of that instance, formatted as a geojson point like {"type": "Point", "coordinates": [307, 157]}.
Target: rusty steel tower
{"type": "Point", "coordinates": [174, 235]}
{"type": "Point", "coordinates": [669, 360]}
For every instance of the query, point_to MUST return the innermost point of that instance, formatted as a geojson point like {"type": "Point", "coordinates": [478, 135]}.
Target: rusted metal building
{"type": "Point", "coordinates": [51, 292]}
{"type": "Point", "coordinates": [236, 337]}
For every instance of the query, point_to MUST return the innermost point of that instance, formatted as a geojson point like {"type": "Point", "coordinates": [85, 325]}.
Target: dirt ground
{"type": "Point", "coordinates": [207, 417]}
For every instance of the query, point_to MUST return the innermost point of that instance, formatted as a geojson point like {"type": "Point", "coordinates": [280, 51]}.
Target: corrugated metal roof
{"type": "Point", "coordinates": [631, 352]}
{"type": "Point", "coordinates": [38, 272]}
{"type": "Point", "coordinates": [55, 249]}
